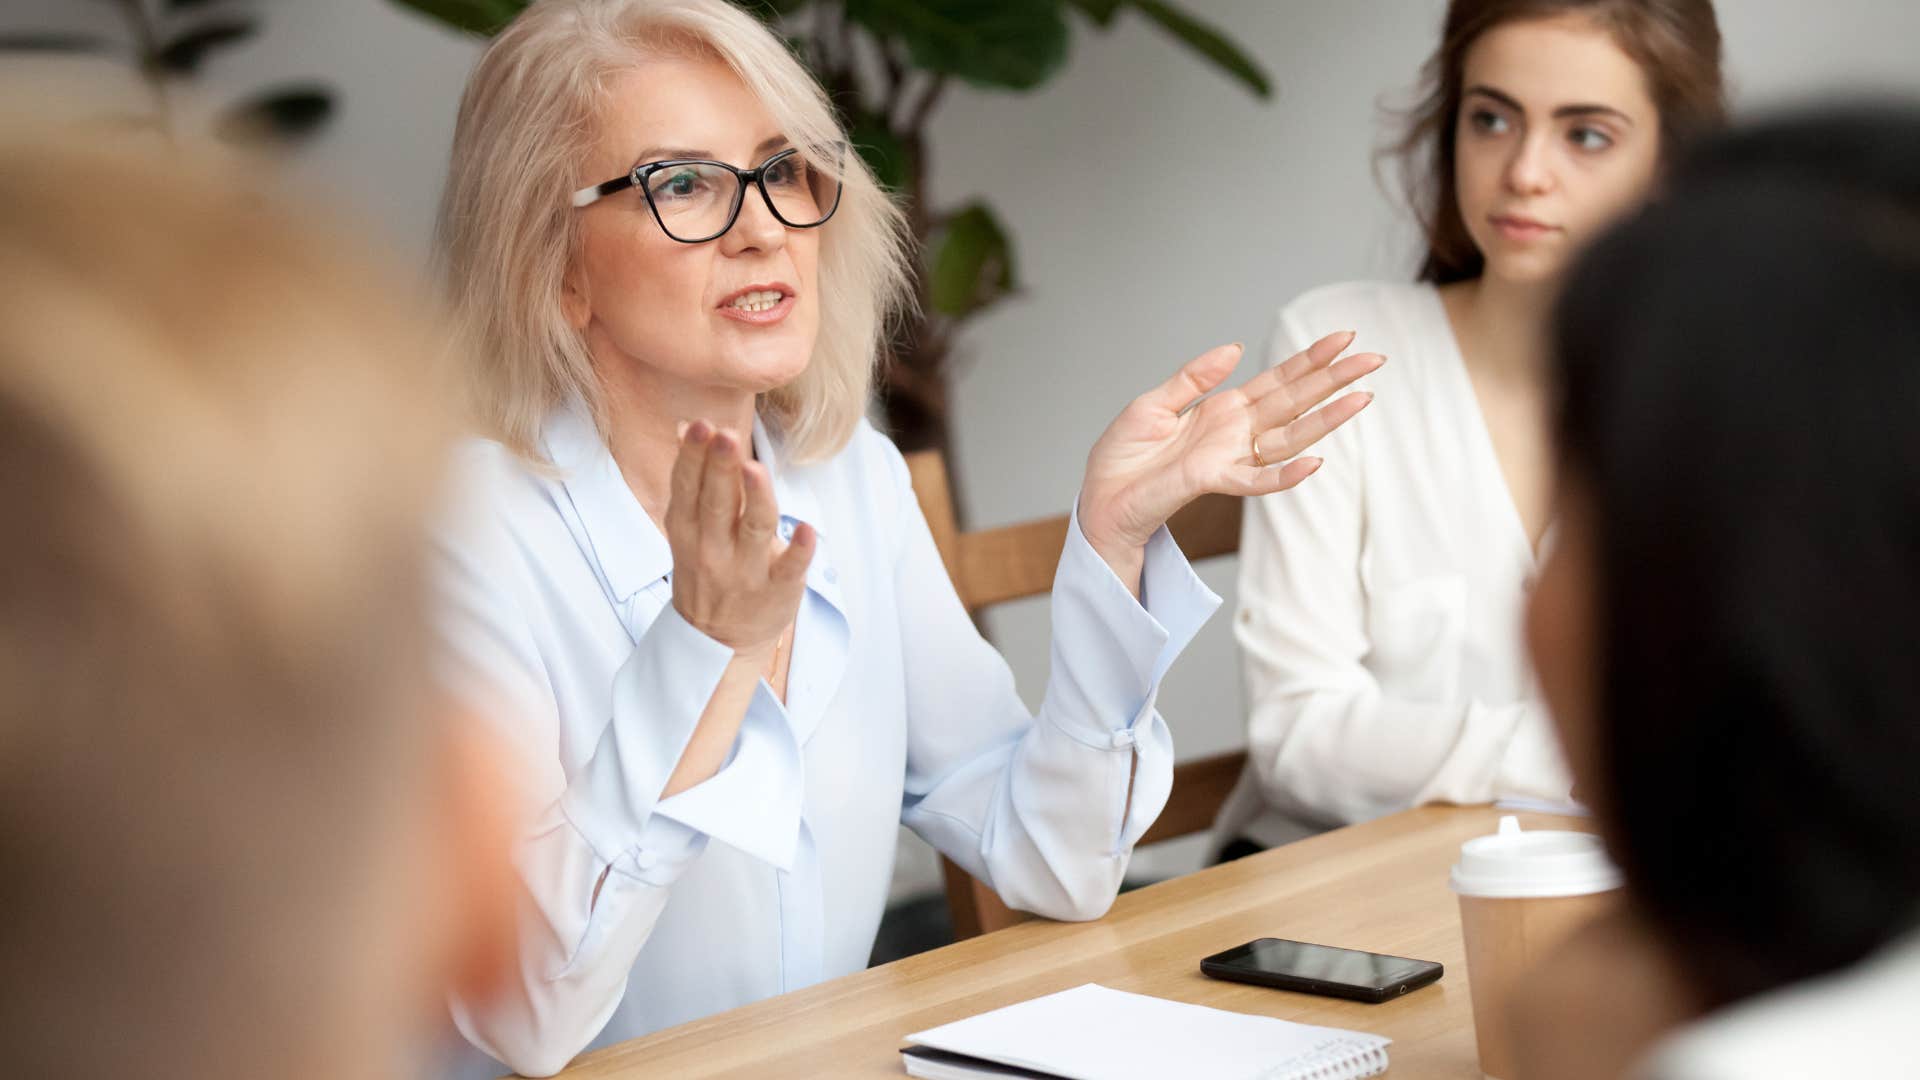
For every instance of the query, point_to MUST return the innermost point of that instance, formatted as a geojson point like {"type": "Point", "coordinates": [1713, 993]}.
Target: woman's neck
{"type": "Point", "coordinates": [1501, 326]}
{"type": "Point", "coordinates": [644, 412]}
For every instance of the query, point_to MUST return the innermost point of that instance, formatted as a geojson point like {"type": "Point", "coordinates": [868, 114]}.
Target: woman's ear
{"type": "Point", "coordinates": [575, 303]}
{"type": "Point", "coordinates": [482, 799]}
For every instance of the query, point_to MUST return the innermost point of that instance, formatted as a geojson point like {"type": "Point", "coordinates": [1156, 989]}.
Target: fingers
{"type": "Point", "coordinates": [1280, 443]}
{"type": "Point", "coordinates": [688, 468]}
{"type": "Point", "coordinates": [1249, 480]}
{"type": "Point", "coordinates": [1286, 404]}
{"type": "Point", "coordinates": [720, 491]}
{"type": "Point", "coordinates": [1196, 378]}
{"type": "Point", "coordinates": [1291, 473]}
{"type": "Point", "coordinates": [791, 566]}
{"type": "Point", "coordinates": [759, 518]}
{"type": "Point", "coordinates": [1312, 358]}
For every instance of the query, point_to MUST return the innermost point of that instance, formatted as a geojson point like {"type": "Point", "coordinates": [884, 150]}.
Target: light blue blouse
{"type": "Point", "coordinates": [772, 875]}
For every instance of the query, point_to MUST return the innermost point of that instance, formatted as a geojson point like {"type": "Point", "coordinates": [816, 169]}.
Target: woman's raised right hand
{"type": "Point", "coordinates": [734, 579]}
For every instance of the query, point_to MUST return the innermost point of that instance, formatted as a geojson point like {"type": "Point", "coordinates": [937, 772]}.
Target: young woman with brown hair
{"type": "Point", "coordinates": [1379, 606]}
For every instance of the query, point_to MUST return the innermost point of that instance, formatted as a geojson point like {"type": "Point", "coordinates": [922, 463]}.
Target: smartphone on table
{"type": "Point", "coordinates": [1321, 969]}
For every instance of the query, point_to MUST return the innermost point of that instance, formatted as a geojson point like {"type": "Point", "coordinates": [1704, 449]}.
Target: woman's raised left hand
{"type": "Point", "coordinates": [1163, 450]}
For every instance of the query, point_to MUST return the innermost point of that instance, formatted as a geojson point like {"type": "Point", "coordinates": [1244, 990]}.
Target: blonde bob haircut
{"type": "Point", "coordinates": [508, 231]}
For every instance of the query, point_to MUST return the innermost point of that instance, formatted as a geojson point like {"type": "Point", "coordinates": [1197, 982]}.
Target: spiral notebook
{"type": "Point", "coordinates": [1095, 1033]}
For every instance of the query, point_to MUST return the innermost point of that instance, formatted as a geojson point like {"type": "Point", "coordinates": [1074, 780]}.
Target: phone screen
{"type": "Point", "coordinates": [1325, 963]}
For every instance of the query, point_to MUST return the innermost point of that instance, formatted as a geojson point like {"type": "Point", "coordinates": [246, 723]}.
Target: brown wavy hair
{"type": "Point", "coordinates": [1675, 42]}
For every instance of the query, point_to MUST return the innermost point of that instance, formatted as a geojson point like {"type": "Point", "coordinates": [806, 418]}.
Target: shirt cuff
{"type": "Point", "coordinates": [664, 849]}
{"type": "Point", "coordinates": [1111, 648]}
{"type": "Point", "coordinates": [753, 802]}
{"type": "Point", "coordinates": [658, 697]}
{"type": "Point", "coordinates": [1173, 595]}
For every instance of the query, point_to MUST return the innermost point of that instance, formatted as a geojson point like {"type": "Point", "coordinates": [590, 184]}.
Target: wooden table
{"type": "Point", "coordinates": [1381, 886]}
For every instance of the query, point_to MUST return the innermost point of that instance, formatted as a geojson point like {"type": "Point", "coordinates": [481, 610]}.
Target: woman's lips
{"type": "Point", "coordinates": [763, 317]}
{"type": "Point", "coordinates": [1520, 228]}
{"type": "Point", "coordinates": [759, 306]}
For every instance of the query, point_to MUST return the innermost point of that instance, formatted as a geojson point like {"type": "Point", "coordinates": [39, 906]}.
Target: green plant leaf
{"type": "Point", "coordinates": [1208, 42]}
{"type": "Point", "coordinates": [483, 17]}
{"type": "Point", "coordinates": [972, 263]}
{"type": "Point", "coordinates": [1100, 11]}
{"type": "Point", "coordinates": [52, 42]}
{"type": "Point", "coordinates": [183, 54]}
{"type": "Point", "coordinates": [283, 114]}
{"type": "Point", "coordinates": [1004, 44]}
{"type": "Point", "coordinates": [883, 151]}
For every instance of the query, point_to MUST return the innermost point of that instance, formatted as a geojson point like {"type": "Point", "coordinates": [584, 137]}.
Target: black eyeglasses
{"type": "Point", "coordinates": [696, 201]}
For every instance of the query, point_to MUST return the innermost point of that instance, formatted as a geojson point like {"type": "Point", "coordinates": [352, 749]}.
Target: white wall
{"type": "Point", "coordinates": [1157, 208]}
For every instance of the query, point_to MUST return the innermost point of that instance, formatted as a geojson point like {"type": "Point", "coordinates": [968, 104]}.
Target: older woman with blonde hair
{"type": "Point", "coordinates": [692, 582]}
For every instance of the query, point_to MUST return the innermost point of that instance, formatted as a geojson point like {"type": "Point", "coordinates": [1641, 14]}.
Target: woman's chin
{"type": "Point", "coordinates": [1526, 268]}
{"type": "Point", "coordinates": [767, 362]}
{"type": "Point", "coordinates": [767, 373]}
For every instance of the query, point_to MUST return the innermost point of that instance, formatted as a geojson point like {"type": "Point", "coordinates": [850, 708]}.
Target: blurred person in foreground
{"type": "Point", "coordinates": [1725, 635]}
{"type": "Point", "coordinates": [240, 836]}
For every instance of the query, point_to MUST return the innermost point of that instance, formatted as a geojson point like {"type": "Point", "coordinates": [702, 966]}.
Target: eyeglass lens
{"type": "Point", "coordinates": [699, 200]}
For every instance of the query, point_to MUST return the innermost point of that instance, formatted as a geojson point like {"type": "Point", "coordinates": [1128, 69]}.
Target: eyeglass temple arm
{"type": "Point", "coordinates": [587, 196]}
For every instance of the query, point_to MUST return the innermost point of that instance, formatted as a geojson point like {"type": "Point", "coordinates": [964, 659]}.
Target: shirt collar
{"type": "Point", "coordinates": [791, 492]}
{"type": "Point", "coordinates": [631, 550]}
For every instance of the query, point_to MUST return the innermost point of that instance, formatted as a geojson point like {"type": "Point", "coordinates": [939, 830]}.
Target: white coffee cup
{"type": "Point", "coordinates": [1521, 893]}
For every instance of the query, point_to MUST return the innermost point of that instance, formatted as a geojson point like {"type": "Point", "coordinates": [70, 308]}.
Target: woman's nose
{"type": "Point", "coordinates": [1528, 172]}
{"type": "Point", "coordinates": [756, 229]}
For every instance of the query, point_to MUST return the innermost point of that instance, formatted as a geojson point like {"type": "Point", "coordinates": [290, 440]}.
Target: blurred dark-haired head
{"type": "Point", "coordinates": [1727, 634]}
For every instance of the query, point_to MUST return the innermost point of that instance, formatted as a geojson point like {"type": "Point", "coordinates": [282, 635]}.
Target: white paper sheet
{"type": "Point", "coordinates": [1095, 1033]}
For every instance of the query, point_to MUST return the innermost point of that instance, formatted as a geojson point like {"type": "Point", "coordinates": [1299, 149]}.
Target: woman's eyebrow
{"type": "Point", "coordinates": [664, 153]}
{"type": "Point", "coordinates": [1593, 110]}
{"type": "Point", "coordinates": [668, 153]}
{"type": "Point", "coordinates": [1561, 112]}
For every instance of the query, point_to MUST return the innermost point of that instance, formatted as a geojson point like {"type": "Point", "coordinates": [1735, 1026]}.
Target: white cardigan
{"type": "Point", "coordinates": [1380, 602]}
{"type": "Point", "coordinates": [772, 875]}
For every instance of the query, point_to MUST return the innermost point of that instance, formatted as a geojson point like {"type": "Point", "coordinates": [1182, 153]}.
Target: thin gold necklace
{"type": "Point", "coordinates": [779, 644]}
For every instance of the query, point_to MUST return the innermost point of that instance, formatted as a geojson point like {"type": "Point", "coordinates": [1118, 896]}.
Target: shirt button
{"type": "Point", "coordinates": [1122, 739]}
{"type": "Point", "coordinates": [832, 575]}
{"type": "Point", "coordinates": [786, 529]}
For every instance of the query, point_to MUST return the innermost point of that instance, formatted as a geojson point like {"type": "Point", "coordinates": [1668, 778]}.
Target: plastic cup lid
{"type": "Point", "coordinates": [1517, 863]}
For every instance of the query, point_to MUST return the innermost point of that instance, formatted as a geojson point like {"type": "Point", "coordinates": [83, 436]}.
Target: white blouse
{"type": "Point", "coordinates": [1380, 602]}
{"type": "Point", "coordinates": [772, 875]}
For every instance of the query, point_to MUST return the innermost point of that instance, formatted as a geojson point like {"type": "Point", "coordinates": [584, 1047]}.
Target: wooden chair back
{"type": "Point", "coordinates": [993, 566]}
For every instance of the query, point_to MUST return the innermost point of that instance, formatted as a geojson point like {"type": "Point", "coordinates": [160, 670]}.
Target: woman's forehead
{"type": "Point", "coordinates": [1549, 63]}
{"type": "Point", "coordinates": [686, 107]}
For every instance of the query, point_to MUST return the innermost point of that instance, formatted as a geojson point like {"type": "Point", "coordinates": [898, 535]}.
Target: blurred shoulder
{"type": "Point", "coordinates": [495, 494]}
{"type": "Point", "coordinates": [491, 474]}
{"type": "Point", "coordinates": [1848, 1023]}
